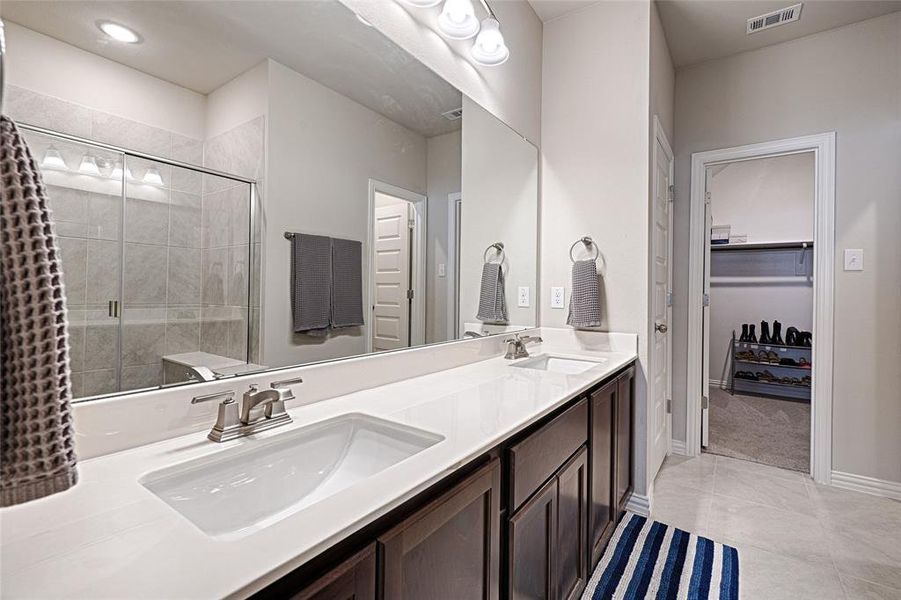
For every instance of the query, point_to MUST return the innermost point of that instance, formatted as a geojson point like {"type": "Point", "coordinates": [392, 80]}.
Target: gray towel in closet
{"type": "Point", "coordinates": [311, 283]}
{"type": "Point", "coordinates": [347, 283]}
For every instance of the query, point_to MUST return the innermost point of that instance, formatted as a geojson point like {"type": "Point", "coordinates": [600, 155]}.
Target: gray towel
{"type": "Point", "coordinates": [37, 440]}
{"type": "Point", "coordinates": [311, 283]}
{"type": "Point", "coordinates": [492, 301]}
{"type": "Point", "coordinates": [585, 299]}
{"type": "Point", "coordinates": [347, 283]}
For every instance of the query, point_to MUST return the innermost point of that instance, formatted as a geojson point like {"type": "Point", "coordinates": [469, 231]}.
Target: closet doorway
{"type": "Point", "coordinates": [760, 270]}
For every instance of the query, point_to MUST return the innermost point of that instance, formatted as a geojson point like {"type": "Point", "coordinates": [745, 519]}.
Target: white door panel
{"type": "Point", "coordinates": [391, 307]}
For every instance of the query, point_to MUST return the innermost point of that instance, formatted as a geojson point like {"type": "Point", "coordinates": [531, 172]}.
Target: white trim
{"type": "Point", "coordinates": [723, 385]}
{"type": "Point", "coordinates": [639, 504]}
{"type": "Point", "coordinates": [823, 147]}
{"type": "Point", "coordinates": [677, 447]}
{"type": "Point", "coordinates": [418, 260]}
{"type": "Point", "coordinates": [453, 299]}
{"type": "Point", "coordinates": [867, 485]}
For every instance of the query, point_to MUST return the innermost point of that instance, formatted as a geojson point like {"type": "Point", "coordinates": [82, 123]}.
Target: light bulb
{"type": "Point", "coordinates": [423, 3]}
{"type": "Point", "coordinates": [118, 32]}
{"type": "Point", "coordinates": [153, 177]}
{"type": "Point", "coordinates": [489, 48]}
{"type": "Point", "coordinates": [89, 165]}
{"type": "Point", "coordinates": [458, 20]}
{"type": "Point", "coordinates": [53, 159]}
{"type": "Point", "coordinates": [117, 171]}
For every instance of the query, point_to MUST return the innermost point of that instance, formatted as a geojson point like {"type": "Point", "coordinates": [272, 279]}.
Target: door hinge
{"type": "Point", "coordinates": [706, 299]}
{"type": "Point", "coordinates": [669, 298]}
{"type": "Point", "coordinates": [705, 402]}
{"type": "Point", "coordinates": [707, 197]}
{"type": "Point", "coordinates": [409, 294]}
{"type": "Point", "coordinates": [671, 193]}
{"type": "Point", "coordinates": [669, 406]}
{"type": "Point", "coordinates": [411, 224]}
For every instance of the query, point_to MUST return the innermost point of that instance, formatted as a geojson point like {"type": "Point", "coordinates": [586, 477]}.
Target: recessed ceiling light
{"type": "Point", "coordinates": [118, 32]}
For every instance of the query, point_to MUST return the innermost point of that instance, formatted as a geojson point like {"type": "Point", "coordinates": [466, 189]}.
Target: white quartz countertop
{"type": "Point", "coordinates": [111, 537]}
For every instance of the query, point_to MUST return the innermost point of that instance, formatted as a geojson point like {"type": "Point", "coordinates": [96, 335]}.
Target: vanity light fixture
{"type": "Point", "coordinates": [118, 32]}
{"type": "Point", "coordinates": [53, 159]}
{"type": "Point", "coordinates": [489, 48]}
{"type": "Point", "coordinates": [88, 165]}
{"type": "Point", "coordinates": [423, 3]}
{"type": "Point", "coordinates": [153, 177]}
{"type": "Point", "coordinates": [458, 20]}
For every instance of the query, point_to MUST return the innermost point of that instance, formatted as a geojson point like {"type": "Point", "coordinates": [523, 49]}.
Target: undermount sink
{"type": "Point", "coordinates": [559, 364]}
{"type": "Point", "coordinates": [233, 493]}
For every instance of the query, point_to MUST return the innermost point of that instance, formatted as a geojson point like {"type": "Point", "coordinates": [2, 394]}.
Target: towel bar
{"type": "Point", "coordinates": [588, 244]}
{"type": "Point", "coordinates": [499, 247]}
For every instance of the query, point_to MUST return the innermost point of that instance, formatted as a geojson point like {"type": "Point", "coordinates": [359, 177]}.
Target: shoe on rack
{"type": "Point", "coordinates": [752, 336]}
{"type": "Point", "coordinates": [763, 357]}
{"type": "Point", "coordinates": [804, 363]}
{"type": "Point", "coordinates": [806, 339]}
{"type": "Point", "coordinates": [777, 334]}
{"type": "Point", "coordinates": [765, 333]}
{"type": "Point", "coordinates": [791, 336]}
{"type": "Point", "coordinates": [788, 362]}
{"type": "Point", "coordinates": [744, 333]}
{"type": "Point", "coordinates": [772, 357]}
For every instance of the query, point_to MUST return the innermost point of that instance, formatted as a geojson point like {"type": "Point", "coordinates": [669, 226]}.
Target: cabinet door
{"type": "Point", "coordinates": [571, 549]}
{"type": "Point", "coordinates": [533, 546]}
{"type": "Point", "coordinates": [601, 508]}
{"type": "Point", "coordinates": [354, 579]}
{"type": "Point", "coordinates": [451, 548]}
{"type": "Point", "coordinates": [624, 439]}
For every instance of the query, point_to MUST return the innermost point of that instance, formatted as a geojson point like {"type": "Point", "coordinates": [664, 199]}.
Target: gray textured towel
{"type": "Point", "coordinates": [492, 301]}
{"type": "Point", "coordinates": [37, 440]}
{"type": "Point", "coordinates": [347, 283]}
{"type": "Point", "coordinates": [585, 299]}
{"type": "Point", "coordinates": [311, 283]}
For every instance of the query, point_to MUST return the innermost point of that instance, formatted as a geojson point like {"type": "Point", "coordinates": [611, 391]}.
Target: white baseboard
{"type": "Point", "coordinates": [640, 505]}
{"type": "Point", "coordinates": [723, 385]}
{"type": "Point", "coordinates": [678, 447]}
{"type": "Point", "coordinates": [867, 485]}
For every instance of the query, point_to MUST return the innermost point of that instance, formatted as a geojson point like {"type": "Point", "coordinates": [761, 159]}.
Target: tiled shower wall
{"type": "Point", "coordinates": [171, 304]}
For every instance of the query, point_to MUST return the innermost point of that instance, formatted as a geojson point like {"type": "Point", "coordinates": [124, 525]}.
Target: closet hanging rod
{"type": "Point", "coordinates": [802, 245]}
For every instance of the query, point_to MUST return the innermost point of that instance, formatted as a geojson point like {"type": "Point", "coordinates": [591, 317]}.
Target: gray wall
{"type": "Point", "coordinates": [846, 80]}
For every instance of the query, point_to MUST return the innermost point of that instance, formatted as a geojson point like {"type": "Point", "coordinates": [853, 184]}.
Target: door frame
{"type": "Point", "coordinates": [823, 147]}
{"type": "Point", "coordinates": [661, 139]}
{"type": "Point", "coordinates": [453, 297]}
{"type": "Point", "coordinates": [417, 260]}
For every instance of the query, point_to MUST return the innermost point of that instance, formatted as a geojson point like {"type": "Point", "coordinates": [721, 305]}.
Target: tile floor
{"type": "Point", "coordinates": [796, 540]}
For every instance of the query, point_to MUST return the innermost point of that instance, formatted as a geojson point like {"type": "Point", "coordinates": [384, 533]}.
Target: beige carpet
{"type": "Point", "coordinates": [765, 430]}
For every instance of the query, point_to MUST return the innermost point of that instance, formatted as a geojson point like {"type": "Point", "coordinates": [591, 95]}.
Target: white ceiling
{"type": "Point", "coordinates": [699, 30]}
{"type": "Point", "coordinates": [551, 9]}
{"type": "Point", "coordinates": [202, 45]}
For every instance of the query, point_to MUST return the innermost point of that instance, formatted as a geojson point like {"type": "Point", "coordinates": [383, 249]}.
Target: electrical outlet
{"type": "Point", "coordinates": [853, 259]}
{"type": "Point", "coordinates": [522, 300]}
{"type": "Point", "coordinates": [442, 270]}
{"type": "Point", "coordinates": [558, 297]}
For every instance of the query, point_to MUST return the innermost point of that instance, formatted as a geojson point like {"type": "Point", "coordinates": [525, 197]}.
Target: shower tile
{"type": "Point", "coordinates": [238, 199]}
{"type": "Point", "coordinates": [214, 336]}
{"type": "Point", "coordinates": [237, 335]}
{"type": "Point", "coordinates": [238, 151]}
{"type": "Point", "coordinates": [46, 111]}
{"type": "Point", "coordinates": [255, 335]}
{"type": "Point", "coordinates": [68, 204]}
{"type": "Point", "coordinates": [130, 134]}
{"type": "Point", "coordinates": [77, 380]}
{"type": "Point", "coordinates": [96, 383]}
{"type": "Point", "coordinates": [145, 274]}
{"type": "Point", "coordinates": [237, 276]}
{"type": "Point", "coordinates": [185, 180]}
{"type": "Point", "coordinates": [214, 262]}
{"type": "Point", "coordinates": [74, 254]}
{"type": "Point", "coordinates": [215, 219]}
{"type": "Point", "coordinates": [104, 216]}
{"type": "Point", "coordinates": [76, 347]}
{"type": "Point", "coordinates": [103, 271]}
{"type": "Point", "coordinates": [182, 336]}
{"type": "Point", "coordinates": [142, 376]}
{"type": "Point", "coordinates": [255, 275]}
{"type": "Point", "coordinates": [147, 222]}
{"type": "Point", "coordinates": [184, 276]}
{"type": "Point", "coordinates": [143, 343]}
{"type": "Point", "coordinates": [186, 149]}
{"type": "Point", "coordinates": [184, 220]}
{"type": "Point", "coordinates": [101, 345]}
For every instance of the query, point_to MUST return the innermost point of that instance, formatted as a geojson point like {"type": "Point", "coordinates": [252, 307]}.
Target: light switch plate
{"type": "Point", "coordinates": [442, 270]}
{"type": "Point", "coordinates": [558, 297]}
{"type": "Point", "coordinates": [853, 259]}
{"type": "Point", "coordinates": [522, 298]}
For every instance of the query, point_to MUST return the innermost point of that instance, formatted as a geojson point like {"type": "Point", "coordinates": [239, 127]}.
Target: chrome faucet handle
{"type": "Point", "coordinates": [284, 390]}
{"type": "Point", "coordinates": [226, 397]}
{"type": "Point", "coordinates": [228, 421]}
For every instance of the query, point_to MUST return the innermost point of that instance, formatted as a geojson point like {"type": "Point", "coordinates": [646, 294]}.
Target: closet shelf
{"type": "Point", "coordinates": [768, 346]}
{"type": "Point", "coordinates": [763, 246]}
{"type": "Point", "coordinates": [775, 383]}
{"type": "Point", "coordinates": [775, 365]}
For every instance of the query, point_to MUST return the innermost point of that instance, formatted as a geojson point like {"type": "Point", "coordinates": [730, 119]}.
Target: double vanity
{"type": "Point", "coordinates": [498, 478]}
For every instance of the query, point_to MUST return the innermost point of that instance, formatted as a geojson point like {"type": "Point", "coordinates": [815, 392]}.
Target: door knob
{"type": "Point", "coordinates": [661, 327]}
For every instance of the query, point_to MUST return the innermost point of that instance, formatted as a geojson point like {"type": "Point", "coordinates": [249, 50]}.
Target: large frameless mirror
{"type": "Point", "coordinates": [267, 184]}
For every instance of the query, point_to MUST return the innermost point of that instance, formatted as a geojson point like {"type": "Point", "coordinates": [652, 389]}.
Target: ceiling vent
{"type": "Point", "coordinates": [774, 19]}
{"type": "Point", "coordinates": [453, 115]}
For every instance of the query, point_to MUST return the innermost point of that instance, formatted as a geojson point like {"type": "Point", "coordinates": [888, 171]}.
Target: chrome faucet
{"type": "Point", "coordinates": [516, 346]}
{"type": "Point", "coordinates": [474, 334]}
{"type": "Point", "coordinates": [230, 424]}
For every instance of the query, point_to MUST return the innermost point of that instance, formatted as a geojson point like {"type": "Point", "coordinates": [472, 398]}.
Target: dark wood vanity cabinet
{"type": "Point", "coordinates": [601, 512]}
{"type": "Point", "coordinates": [623, 439]}
{"type": "Point", "coordinates": [354, 579]}
{"type": "Point", "coordinates": [450, 549]}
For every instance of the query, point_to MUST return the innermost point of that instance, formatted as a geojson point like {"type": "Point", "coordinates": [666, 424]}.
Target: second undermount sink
{"type": "Point", "coordinates": [233, 493]}
{"type": "Point", "coordinates": [559, 364]}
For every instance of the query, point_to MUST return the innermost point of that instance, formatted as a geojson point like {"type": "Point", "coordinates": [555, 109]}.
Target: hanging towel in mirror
{"type": "Point", "coordinates": [37, 441]}
{"type": "Point", "coordinates": [492, 302]}
{"type": "Point", "coordinates": [585, 299]}
{"type": "Point", "coordinates": [347, 283]}
{"type": "Point", "coordinates": [311, 283]}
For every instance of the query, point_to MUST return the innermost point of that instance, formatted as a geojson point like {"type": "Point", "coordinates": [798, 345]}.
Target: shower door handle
{"type": "Point", "coordinates": [114, 308]}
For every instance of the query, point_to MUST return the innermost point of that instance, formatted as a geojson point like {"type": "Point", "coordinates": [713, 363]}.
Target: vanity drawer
{"type": "Point", "coordinates": [535, 459]}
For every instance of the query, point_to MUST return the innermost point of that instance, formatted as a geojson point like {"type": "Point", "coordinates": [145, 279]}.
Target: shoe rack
{"type": "Point", "coordinates": [767, 376]}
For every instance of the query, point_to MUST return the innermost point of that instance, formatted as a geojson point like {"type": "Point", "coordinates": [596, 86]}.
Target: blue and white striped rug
{"type": "Point", "coordinates": [647, 559]}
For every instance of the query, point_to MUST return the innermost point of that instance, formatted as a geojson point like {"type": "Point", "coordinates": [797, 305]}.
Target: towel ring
{"type": "Point", "coordinates": [498, 247]}
{"type": "Point", "coordinates": [588, 243]}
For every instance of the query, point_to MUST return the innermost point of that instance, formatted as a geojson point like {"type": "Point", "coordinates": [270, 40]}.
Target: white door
{"type": "Point", "coordinates": [705, 362]}
{"type": "Point", "coordinates": [454, 220]}
{"type": "Point", "coordinates": [661, 345]}
{"type": "Point", "coordinates": [391, 273]}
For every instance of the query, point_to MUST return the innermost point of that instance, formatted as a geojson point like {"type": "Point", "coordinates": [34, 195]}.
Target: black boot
{"type": "Point", "coordinates": [765, 333]}
{"type": "Point", "coordinates": [791, 336]}
{"type": "Point", "coordinates": [777, 334]}
{"type": "Point", "coordinates": [744, 333]}
{"type": "Point", "coordinates": [806, 339]}
{"type": "Point", "coordinates": [752, 337]}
